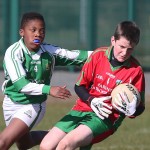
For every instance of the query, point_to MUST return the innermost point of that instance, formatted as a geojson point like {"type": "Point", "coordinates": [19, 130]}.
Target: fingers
{"type": "Point", "coordinates": [121, 100]}
{"type": "Point", "coordinates": [64, 93]}
{"type": "Point", "coordinates": [107, 106]}
{"type": "Point", "coordinates": [107, 111]}
{"type": "Point", "coordinates": [94, 108]}
{"type": "Point", "coordinates": [60, 92]}
{"type": "Point", "coordinates": [104, 107]}
{"type": "Point", "coordinates": [134, 102]}
{"type": "Point", "coordinates": [123, 104]}
{"type": "Point", "coordinates": [101, 107]}
{"type": "Point", "coordinates": [100, 116]}
{"type": "Point", "coordinates": [125, 97]}
{"type": "Point", "coordinates": [104, 113]}
{"type": "Point", "coordinates": [105, 98]}
{"type": "Point", "coordinates": [119, 108]}
{"type": "Point", "coordinates": [64, 86]}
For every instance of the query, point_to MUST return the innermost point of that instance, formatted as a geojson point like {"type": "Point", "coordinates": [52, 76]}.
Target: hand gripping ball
{"type": "Point", "coordinates": [130, 91]}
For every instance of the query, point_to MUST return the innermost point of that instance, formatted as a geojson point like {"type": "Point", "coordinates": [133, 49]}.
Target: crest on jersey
{"type": "Point", "coordinates": [118, 82]}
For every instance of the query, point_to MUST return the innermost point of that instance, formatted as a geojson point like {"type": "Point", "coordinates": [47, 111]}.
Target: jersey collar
{"type": "Point", "coordinates": [25, 49]}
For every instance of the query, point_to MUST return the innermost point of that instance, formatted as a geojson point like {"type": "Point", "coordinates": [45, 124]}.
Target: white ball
{"type": "Point", "coordinates": [129, 89]}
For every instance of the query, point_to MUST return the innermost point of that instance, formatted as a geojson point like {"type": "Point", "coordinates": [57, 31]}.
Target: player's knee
{"type": "Point", "coordinates": [64, 144]}
{"type": "Point", "coordinates": [44, 146]}
{"type": "Point", "coordinates": [3, 144]}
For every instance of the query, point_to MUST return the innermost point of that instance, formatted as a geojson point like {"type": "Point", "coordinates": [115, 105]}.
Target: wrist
{"type": "Point", "coordinates": [46, 89]}
{"type": "Point", "coordinates": [89, 100]}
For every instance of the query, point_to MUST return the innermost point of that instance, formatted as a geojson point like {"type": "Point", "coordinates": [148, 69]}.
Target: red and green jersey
{"type": "Point", "coordinates": [100, 77]}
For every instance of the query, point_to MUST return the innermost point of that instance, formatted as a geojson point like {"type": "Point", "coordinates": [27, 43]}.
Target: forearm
{"type": "Point", "coordinates": [140, 109]}
{"type": "Point", "coordinates": [83, 93]}
{"type": "Point", "coordinates": [35, 89]}
{"type": "Point", "coordinates": [73, 57]}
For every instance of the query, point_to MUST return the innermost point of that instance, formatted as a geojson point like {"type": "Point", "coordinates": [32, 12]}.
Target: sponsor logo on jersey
{"type": "Point", "coordinates": [110, 75]}
{"type": "Point", "coordinates": [99, 76]}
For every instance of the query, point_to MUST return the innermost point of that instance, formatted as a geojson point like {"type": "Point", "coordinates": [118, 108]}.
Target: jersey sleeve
{"type": "Point", "coordinates": [16, 74]}
{"type": "Point", "coordinates": [139, 82]}
{"type": "Point", "coordinates": [35, 89]}
{"type": "Point", "coordinates": [86, 75]}
{"type": "Point", "coordinates": [13, 67]}
{"type": "Point", "coordinates": [65, 57]}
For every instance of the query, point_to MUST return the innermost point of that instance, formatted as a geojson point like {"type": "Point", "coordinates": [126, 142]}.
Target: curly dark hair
{"type": "Point", "coordinates": [31, 16]}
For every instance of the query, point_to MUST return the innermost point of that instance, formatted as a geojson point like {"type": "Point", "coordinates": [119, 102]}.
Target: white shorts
{"type": "Point", "coordinates": [30, 114]}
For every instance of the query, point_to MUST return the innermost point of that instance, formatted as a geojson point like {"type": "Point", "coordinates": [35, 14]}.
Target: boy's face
{"type": "Point", "coordinates": [33, 30]}
{"type": "Point", "coordinates": [122, 48]}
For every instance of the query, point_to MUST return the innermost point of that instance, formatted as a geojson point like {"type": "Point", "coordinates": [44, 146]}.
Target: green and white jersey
{"type": "Point", "coordinates": [28, 74]}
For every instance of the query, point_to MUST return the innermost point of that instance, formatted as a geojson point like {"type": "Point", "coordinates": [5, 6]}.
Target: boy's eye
{"type": "Point", "coordinates": [42, 31]}
{"type": "Point", "coordinates": [33, 30]}
{"type": "Point", "coordinates": [122, 47]}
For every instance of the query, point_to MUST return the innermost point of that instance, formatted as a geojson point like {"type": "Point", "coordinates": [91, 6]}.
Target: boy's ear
{"type": "Point", "coordinates": [21, 32]}
{"type": "Point", "coordinates": [112, 40]}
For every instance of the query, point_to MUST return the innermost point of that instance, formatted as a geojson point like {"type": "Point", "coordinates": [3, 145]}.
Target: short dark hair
{"type": "Point", "coordinates": [30, 16]}
{"type": "Point", "coordinates": [129, 30]}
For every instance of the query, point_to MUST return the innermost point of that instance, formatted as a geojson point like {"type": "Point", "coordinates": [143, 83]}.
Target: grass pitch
{"type": "Point", "coordinates": [134, 134]}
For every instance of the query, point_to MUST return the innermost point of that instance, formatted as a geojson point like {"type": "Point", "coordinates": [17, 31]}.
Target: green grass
{"type": "Point", "coordinates": [134, 134]}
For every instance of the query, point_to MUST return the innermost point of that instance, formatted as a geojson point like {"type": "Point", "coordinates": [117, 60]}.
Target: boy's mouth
{"type": "Point", "coordinates": [36, 41]}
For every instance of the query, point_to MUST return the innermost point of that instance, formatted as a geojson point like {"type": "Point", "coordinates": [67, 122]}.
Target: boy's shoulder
{"type": "Point", "coordinates": [100, 51]}
{"type": "Point", "coordinates": [49, 47]}
{"type": "Point", "coordinates": [135, 61]}
{"type": "Point", "coordinates": [14, 47]}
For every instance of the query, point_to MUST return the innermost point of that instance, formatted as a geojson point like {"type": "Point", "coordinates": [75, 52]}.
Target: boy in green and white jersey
{"type": "Point", "coordinates": [29, 72]}
{"type": "Point", "coordinates": [28, 66]}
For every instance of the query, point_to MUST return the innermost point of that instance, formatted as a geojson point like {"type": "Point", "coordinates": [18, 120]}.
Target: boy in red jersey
{"type": "Point", "coordinates": [93, 118]}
